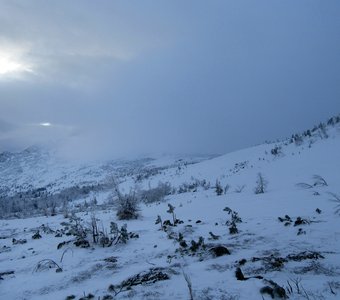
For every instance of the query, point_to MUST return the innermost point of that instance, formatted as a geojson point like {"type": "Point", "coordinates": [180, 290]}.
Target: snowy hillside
{"type": "Point", "coordinates": [258, 223]}
{"type": "Point", "coordinates": [37, 179]}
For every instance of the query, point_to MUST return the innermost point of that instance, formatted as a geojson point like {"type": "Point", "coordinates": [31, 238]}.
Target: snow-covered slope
{"type": "Point", "coordinates": [36, 178]}
{"type": "Point", "coordinates": [287, 237]}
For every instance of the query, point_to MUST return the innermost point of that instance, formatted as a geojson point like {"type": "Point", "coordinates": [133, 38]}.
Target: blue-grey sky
{"type": "Point", "coordinates": [108, 78]}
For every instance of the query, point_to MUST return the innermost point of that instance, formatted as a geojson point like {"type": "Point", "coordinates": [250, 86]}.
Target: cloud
{"type": "Point", "coordinates": [23, 135]}
{"type": "Point", "coordinates": [124, 78]}
{"type": "Point", "coordinates": [5, 126]}
{"type": "Point", "coordinates": [67, 42]}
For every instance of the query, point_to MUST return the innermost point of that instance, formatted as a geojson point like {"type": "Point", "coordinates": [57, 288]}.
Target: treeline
{"type": "Point", "coordinates": [41, 201]}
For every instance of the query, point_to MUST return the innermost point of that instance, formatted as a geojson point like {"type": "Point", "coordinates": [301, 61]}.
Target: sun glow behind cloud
{"type": "Point", "coordinates": [45, 124]}
{"type": "Point", "coordinates": [12, 66]}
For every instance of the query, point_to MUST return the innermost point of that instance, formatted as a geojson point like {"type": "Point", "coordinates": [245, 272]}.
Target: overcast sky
{"type": "Point", "coordinates": [113, 78]}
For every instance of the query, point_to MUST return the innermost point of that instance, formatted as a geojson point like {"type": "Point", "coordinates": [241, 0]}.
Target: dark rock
{"type": "Point", "coordinates": [5, 273]}
{"type": "Point", "coordinates": [267, 290]}
{"type": "Point", "coordinates": [219, 251]}
{"type": "Point", "coordinates": [82, 243]}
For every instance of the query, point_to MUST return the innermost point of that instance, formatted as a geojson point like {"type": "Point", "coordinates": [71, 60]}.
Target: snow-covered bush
{"type": "Point", "coordinates": [234, 220]}
{"type": "Point", "coordinates": [156, 194]}
{"type": "Point", "coordinates": [193, 186]}
{"type": "Point", "coordinates": [261, 184]}
{"type": "Point", "coordinates": [276, 151]}
{"type": "Point", "coordinates": [126, 204]}
{"type": "Point", "coordinates": [127, 207]}
{"type": "Point", "coordinates": [218, 188]}
{"type": "Point", "coordinates": [226, 188]}
{"type": "Point", "coordinates": [171, 211]}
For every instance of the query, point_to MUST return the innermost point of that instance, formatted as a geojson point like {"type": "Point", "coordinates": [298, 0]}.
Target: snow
{"type": "Point", "coordinates": [260, 235]}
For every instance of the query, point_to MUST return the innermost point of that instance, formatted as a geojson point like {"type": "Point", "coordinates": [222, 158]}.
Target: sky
{"type": "Point", "coordinates": [102, 79]}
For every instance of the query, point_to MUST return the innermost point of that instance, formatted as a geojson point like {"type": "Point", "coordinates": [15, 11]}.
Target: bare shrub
{"type": "Point", "coordinates": [189, 284]}
{"type": "Point", "coordinates": [304, 185]}
{"type": "Point", "coordinates": [240, 188]}
{"type": "Point", "coordinates": [147, 277]}
{"type": "Point", "coordinates": [336, 199]}
{"type": "Point", "coordinates": [319, 181]}
{"type": "Point", "coordinates": [94, 228]}
{"type": "Point", "coordinates": [64, 252]}
{"type": "Point", "coordinates": [295, 287]}
{"type": "Point", "coordinates": [47, 264]}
